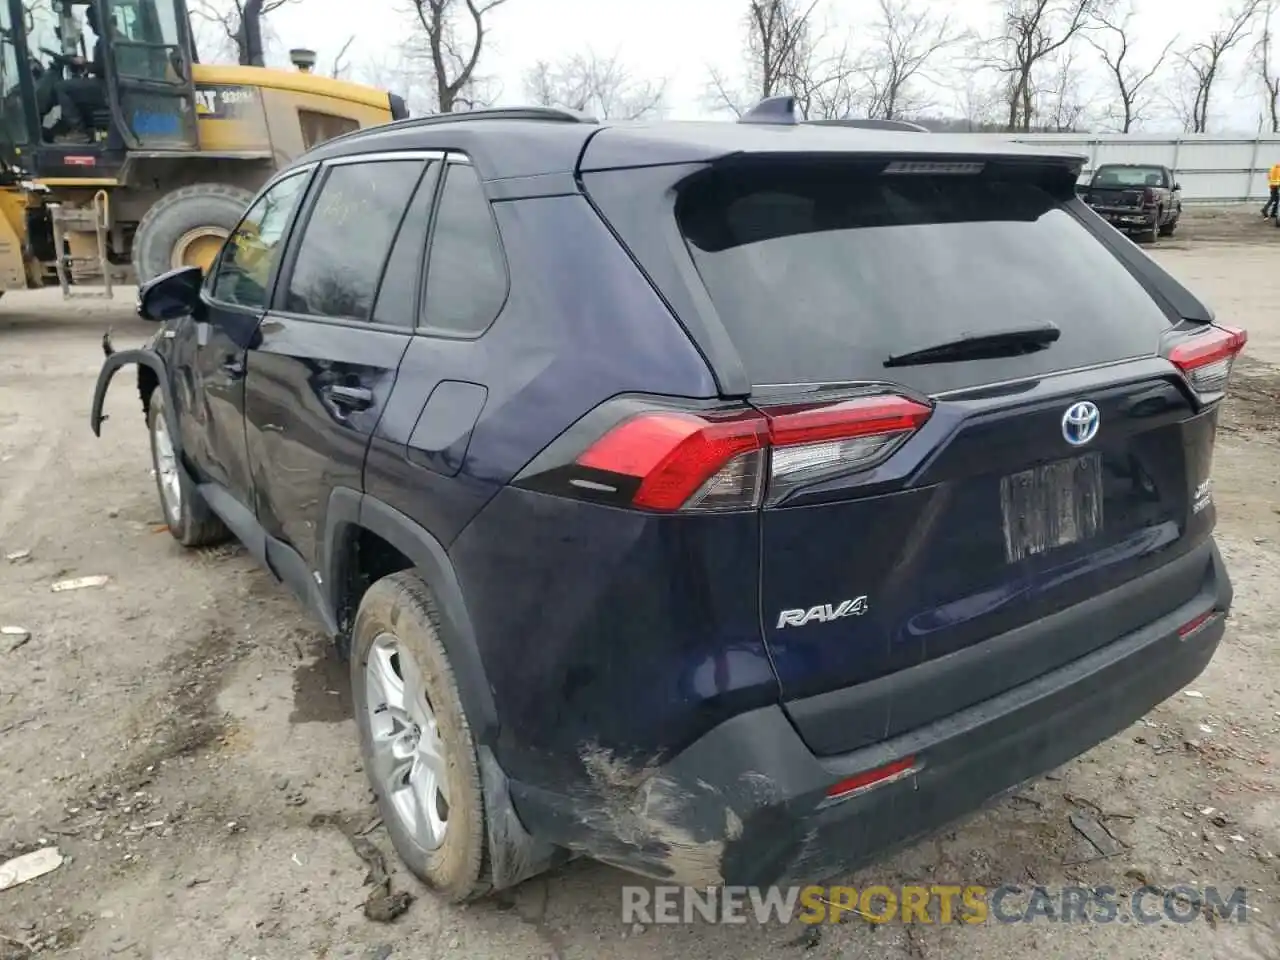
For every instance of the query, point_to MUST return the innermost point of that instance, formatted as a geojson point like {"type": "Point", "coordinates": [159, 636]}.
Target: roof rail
{"type": "Point", "coordinates": [780, 110]}
{"type": "Point", "coordinates": [553, 114]}
{"type": "Point", "coordinates": [872, 123]}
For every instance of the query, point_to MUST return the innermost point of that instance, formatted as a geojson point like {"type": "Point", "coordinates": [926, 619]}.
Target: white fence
{"type": "Point", "coordinates": [1209, 169]}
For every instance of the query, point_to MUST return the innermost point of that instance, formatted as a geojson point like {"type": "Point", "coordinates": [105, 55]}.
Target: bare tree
{"type": "Point", "coordinates": [1264, 62]}
{"type": "Point", "coordinates": [1115, 47]}
{"type": "Point", "coordinates": [403, 75]}
{"type": "Point", "coordinates": [452, 49]}
{"type": "Point", "coordinates": [340, 65]}
{"type": "Point", "coordinates": [590, 83]}
{"type": "Point", "coordinates": [239, 24]}
{"type": "Point", "coordinates": [903, 43]}
{"type": "Point", "coordinates": [1066, 103]}
{"type": "Point", "coordinates": [779, 42]}
{"type": "Point", "coordinates": [1034, 32]}
{"type": "Point", "coordinates": [1203, 61]}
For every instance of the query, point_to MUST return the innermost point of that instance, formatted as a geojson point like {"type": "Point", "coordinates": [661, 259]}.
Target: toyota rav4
{"type": "Point", "coordinates": [728, 502]}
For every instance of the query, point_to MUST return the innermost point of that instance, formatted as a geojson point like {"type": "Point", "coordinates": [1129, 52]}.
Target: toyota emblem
{"type": "Point", "coordinates": [1080, 423]}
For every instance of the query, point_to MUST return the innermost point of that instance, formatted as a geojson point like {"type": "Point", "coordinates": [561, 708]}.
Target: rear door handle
{"type": "Point", "coordinates": [350, 398]}
{"type": "Point", "coordinates": [233, 369]}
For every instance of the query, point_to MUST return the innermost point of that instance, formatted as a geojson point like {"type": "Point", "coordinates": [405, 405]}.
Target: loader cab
{"type": "Point", "coordinates": [123, 66]}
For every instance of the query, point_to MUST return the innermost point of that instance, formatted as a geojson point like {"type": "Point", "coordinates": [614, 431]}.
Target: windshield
{"type": "Point", "coordinates": [1128, 177]}
{"type": "Point", "coordinates": [820, 274]}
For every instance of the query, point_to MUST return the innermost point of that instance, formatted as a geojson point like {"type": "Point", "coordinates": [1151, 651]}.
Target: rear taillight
{"type": "Point", "coordinates": [668, 460]}
{"type": "Point", "coordinates": [1148, 197]}
{"type": "Point", "coordinates": [1206, 359]}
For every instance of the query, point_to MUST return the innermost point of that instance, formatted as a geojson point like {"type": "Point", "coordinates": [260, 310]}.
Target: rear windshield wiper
{"type": "Point", "coordinates": [981, 346]}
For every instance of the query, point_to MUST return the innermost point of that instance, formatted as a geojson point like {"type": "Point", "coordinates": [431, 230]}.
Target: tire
{"type": "Point", "coordinates": [190, 520]}
{"type": "Point", "coordinates": [218, 206]}
{"type": "Point", "coordinates": [1168, 228]}
{"type": "Point", "coordinates": [1152, 232]}
{"type": "Point", "coordinates": [397, 616]}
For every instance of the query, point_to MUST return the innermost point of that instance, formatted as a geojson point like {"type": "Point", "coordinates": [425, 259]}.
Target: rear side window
{"type": "Point", "coordinates": [347, 237]}
{"type": "Point", "coordinates": [467, 274]}
{"type": "Point", "coordinates": [821, 273]}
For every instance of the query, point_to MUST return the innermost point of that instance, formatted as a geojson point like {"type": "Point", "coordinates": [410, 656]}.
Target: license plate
{"type": "Point", "coordinates": [1051, 506]}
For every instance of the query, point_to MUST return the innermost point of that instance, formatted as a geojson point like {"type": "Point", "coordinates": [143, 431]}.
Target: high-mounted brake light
{"type": "Point", "coordinates": [933, 167]}
{"type": "Point", "coordinates": [669, 460]}
{"type": "Point", "coordinates": [1207, 358]}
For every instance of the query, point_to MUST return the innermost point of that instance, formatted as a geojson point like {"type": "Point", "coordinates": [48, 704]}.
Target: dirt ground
{"type": "Point", "coordinates": [183, 735]}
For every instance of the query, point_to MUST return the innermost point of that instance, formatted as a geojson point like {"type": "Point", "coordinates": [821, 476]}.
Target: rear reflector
{"type": "Point", "coordinates": [1191, 626]}
{"type": "Point", "coordinates": [676, 460]}
{"type": "Point", "coordinates": [861, 782]}
{"type": "Point", "coordinates": [1207, 358]}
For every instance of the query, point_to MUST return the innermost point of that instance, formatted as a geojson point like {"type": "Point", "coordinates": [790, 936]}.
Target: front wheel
{"type": "Point", "coordinates": [189, 519]}
{"type": "Point", "coordinates": [415, 741]}
{"type": "Point", "coordinates": [1168, 228]}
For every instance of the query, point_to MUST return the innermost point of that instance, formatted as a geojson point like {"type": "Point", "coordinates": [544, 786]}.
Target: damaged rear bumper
{"type": "Point", "coordinates": [747, 804]}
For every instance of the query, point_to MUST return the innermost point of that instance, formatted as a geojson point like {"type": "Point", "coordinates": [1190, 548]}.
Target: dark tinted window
{"type": "Point", "coordinates": [397, 297]}
{"type": "Point", "coordinates": [821, 273]}
{"type": "Point", "coordinates": [467, 276]}
{"type": "Point", "coordinates": [254, 247]}
{"type": "Point", "coordinates": [1128, 177]}
{"type": "Point", "coordinates": [347, 237]}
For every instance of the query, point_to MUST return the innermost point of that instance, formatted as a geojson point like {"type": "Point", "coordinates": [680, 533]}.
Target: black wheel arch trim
{"type": "Point", "coordinates": [349, 512]}
{"type": "Point", "coordinates": [142, 357]}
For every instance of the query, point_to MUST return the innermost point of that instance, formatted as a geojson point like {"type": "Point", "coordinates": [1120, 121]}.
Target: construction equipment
{"type": "Point", "coordinates": [122, 156]}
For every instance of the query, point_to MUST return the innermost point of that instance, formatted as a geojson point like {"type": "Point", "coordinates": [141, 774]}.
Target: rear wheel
{"type": "Point", "coordinates": [189, 518]}
{"type": "Point", "coordinates": [186, 228]}
{"type": "Point", "coordinates": [415, 740]}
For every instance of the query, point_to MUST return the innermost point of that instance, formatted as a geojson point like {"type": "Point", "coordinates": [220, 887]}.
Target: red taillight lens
{"type": "Point", "coordinates": [684, 460]}
{"type": "Point", "coordinates": [699, 462]}
{"type": "Point", "coordinates": [1207, 358]}
{"type": "Point", "coordinates": [1148, 197]}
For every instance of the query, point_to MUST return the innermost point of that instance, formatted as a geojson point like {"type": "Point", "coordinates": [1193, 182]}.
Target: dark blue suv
{"type": "Point", "coordinates": [728, 502]}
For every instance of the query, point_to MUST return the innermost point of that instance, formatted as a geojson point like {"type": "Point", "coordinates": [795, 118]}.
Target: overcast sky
{"type": "Point", "coordinates": [680, 39]}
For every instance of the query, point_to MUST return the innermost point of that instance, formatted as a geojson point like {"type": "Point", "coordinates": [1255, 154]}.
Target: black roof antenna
{"type": "Point", "coordinates": [779, 110]}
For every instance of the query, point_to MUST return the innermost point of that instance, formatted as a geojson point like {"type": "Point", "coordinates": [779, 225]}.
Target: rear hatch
{"type": "Point", "coordinates": [1123, 187]}
{"type": "Point", "coordinates": [975, 423]}
{"type": "Point", "coordinates": [1118, 198]}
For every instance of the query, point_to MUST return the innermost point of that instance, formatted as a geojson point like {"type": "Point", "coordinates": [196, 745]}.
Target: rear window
{"type": "Point", "coordinates": [821, 273]}
{"type": "Point", "coordinates": [1128, 177]}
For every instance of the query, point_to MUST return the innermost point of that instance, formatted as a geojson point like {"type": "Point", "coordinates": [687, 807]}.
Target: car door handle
{"type": "Point", "coordinates": [351, 398]}
{"type": "Point", "coordinates": [233, 369]}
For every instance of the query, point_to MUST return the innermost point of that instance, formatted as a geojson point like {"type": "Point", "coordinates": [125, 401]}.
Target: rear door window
{"type": "Point", "coordinates": [821, 272]}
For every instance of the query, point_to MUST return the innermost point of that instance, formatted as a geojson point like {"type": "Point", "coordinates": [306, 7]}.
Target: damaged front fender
{"type": "Point", "coordinates": [146, 359]}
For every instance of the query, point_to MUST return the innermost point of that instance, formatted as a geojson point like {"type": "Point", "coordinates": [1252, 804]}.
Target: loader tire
{"type": "Point", "coordinates": [184, 225]}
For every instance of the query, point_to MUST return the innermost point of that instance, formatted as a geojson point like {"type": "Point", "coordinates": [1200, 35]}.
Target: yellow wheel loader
{"type": "Point", "coordinates": [122, 157]}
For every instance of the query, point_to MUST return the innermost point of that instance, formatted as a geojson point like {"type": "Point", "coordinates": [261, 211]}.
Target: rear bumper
{"type": "Point", "coordinates": [747, 805]}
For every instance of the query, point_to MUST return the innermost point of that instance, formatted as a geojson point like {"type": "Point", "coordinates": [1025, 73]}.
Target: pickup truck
{"type": "Point", "coordinates": [1139, 199]}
